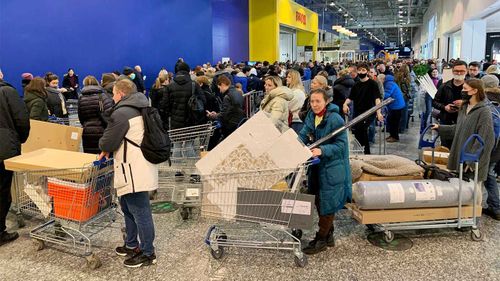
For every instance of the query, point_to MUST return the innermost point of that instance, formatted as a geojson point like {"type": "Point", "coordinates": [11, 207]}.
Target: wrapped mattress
{"type": "Point", "coordinates": [410, 194]}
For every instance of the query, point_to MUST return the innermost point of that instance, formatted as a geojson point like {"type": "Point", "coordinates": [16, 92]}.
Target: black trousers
{"type": "Point", "coordinates": [393, 122]}
{"type": "Point", "coordinates": [5, 197]}
{"type": "Point", "coordinates": [360, 131]}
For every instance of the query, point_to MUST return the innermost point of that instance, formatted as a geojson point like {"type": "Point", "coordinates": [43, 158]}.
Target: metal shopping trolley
{"type": "Point", "coordinates": [260, 214]}
{"type": "Point", "coordinates": [259, 207]}
{"type": "Point", "coordinates": [74, 204]}
{"type": "Point", "coordinates": [252, 101]}
{"type": "Point", "coordinates": [178, 178]}
{"type": "Point", "coordinates": [462, 220]}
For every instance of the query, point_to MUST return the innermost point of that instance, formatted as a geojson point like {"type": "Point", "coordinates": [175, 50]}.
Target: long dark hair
{"type": "Point", "coordinates": [37, 85]}
{"type": "Point", "coordinates": [479, 86]}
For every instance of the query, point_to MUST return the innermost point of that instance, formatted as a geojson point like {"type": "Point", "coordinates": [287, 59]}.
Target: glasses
{"type": "Point", "coordinates": [459, 71]}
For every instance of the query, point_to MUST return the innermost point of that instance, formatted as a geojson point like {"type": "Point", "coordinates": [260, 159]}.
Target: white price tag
{"type": "Point", "coordinates": [396, 192]}
{"type": "Point", "coordinates": [74, 135]}
{"type": "Point", "coordinates": [192, 192]}
{"type": "Point", "coordinates": [295, 207]}
{"type": "Point", "coordinates": [424, 191]}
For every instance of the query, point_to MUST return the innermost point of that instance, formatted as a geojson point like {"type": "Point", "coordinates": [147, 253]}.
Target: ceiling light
{"type": "Point", "coordinates": [352, 18]}
{"type": "Point", "coordinates": [400, 0]}
{"type": "Point", "coordinates": [340, 9]}
{"type": "Point", "coordinates": [401, 16]}
{"type": "Point", "coordinates": [332, 4]}
{"type": "Point", "coordinates": [346, 15]}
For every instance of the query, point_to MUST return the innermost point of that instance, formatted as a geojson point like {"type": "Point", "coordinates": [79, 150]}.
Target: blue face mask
{"type": "Point", "coordinates": [132, 76]}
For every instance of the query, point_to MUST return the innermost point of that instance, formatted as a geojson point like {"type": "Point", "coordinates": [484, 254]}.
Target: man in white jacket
{"type": "Point", "coordinates": [134, 175]}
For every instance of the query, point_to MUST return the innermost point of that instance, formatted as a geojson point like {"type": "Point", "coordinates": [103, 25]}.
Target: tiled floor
{"type": "Point", "coordinates": [182, 255]}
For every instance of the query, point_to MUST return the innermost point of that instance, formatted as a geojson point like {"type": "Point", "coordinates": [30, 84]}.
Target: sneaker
{"type": "Point", "coordinates": [491, 213]}
{"type": "Point", "coordinates": [124, 251]}
{"type": "Point", "coordinates": [391, 139]}
{"type": "Point", "coordinates": [315, 246]}
{"type": "Point", "coordinates": [140, 259]}
{"type": "Point", "coordinates": [6, 237]}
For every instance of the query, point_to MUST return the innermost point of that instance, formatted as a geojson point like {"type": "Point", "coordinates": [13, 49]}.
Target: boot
{"type": "Point", "coordinates": [318, 244]}
{"type": "Point", "coordinates": [330, 240]}
{"type": "Point", "coordinates": [6, 237]}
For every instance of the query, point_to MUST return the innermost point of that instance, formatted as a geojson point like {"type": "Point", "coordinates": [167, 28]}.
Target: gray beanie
{"type": "Point", "coordinates": [490, 81]}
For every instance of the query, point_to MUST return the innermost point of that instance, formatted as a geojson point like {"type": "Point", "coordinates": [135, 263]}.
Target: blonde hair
{"type": "Point", "coordinates": [296, 82]}
{"type": "Point", "coordinates": [343, 72]}
{"type": "Point", "coordinates": [492, 69]}
{"type": "Point", "coordinates": [275, 79]}
{"type": "Point", "coordinates": [90, 81]}
{"type": "Point", "coordinates": [202, 80]}
{"type": "Point", "coordinates": [126, 86]}
{"type": "Point", "coordinates": [160, 80]}
{"type": "Point", "coordinates": [322, 80]}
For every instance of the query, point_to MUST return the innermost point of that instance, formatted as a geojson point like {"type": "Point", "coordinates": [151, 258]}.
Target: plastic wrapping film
{"type": "Point", "coordinates": [411, 194]}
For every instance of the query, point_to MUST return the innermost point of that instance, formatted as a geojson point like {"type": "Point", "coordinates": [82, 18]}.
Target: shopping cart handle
{"type": "Point", "coordinates": [207, 237]}
{"type": "Point", "coordinates": [314, 161]}
{"type": "Point", "coordinates": [429, 142]}
{"type": "Point", "coordinates": [471, 156]}
{"type": "Point", "coordinates": [52, 117]}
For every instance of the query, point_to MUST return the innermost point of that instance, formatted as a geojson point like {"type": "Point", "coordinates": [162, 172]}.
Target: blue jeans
{"type": "Point", "coordinates": [297, 126]}
{"type": "Point", "coordinates": [138, 221]}
{"type": "Point", "coordinates": [427, 113]}
{"type": "Point", "coordinates": [371, 131]}
{"type": "Point", "coordinates": [491, 186]}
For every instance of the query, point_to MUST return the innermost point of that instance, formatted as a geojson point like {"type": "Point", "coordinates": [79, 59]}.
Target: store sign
{"type": "Point", "coordinates": [300, 17]}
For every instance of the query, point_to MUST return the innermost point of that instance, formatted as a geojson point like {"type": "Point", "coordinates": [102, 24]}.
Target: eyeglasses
{"type": "Point", "coordinates": [459, 71]}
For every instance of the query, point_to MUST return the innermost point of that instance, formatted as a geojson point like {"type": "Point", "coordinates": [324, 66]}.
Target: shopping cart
{"type": "Point", "coordinates": [178, 178]}
{"type": "Point", "coordinates": [72, 106]}
{"type": "Point", "coordinates": [252, 101]}
{"type": "Point", "coordinates": [71, 120]}
{"type": "Point", "coordinates": [461, 221]}
{"type": "Point", "coordinates": [74, 204]}
{"type": "Point", "coordinates": [259, 207]}
{"type": "Point", "coordinates": [259, 213]}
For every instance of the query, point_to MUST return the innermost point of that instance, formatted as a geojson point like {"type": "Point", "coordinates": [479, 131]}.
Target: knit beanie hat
{"type": "Point", "coordinates": [490, 81]}
{"type": "Point", "coordinates": [27, 76]}
{"type": "Point", "coordinates": [128, 70]}
{"type": "Point", "coordinates": [183, 67]}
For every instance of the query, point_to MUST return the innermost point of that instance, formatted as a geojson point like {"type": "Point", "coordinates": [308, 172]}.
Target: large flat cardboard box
{"type": "Point", "coordinates": [440, 157]}
{"type": "Point", "coordinates": [51, 135]}
{"type": "Point", "coordinates": [409, 215]}
{"type": "Point", "coordinates": [371, 177]}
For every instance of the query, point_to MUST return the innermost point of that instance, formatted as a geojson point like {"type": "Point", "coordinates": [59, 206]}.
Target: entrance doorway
{"type": "Point", "coordinates": [288, 44]}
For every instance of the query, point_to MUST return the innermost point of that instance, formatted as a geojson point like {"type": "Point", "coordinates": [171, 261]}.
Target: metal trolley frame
{"type": "Point", "coordinates": [74, 204]}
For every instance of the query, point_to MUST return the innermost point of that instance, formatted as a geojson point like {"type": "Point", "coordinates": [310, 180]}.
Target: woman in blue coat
{"type": "Point", "coordinates": [330, 181]}
{"type": "Point", "coordinates": [392, 90]}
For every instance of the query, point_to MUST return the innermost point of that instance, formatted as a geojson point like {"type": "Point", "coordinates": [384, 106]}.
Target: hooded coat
{"type": "Point", "coordinates": [92, 105]}
{"type": "Point", "coordinates": [36, 103]}
{"type": "Point", "coordinates": [341, 90]}
{"type": "Point", "coordinates": [56, 103]}
{"type": "Point", "coordinates": [275, 103]}
{"type": "Point", "coordinates": [392, 90]}
{"type": "Point", "coordinates": [493, 95]}
{"type": "Point", "coordinates": [330, 180]}
{"type": "Point", "coordinates": [477, 121]}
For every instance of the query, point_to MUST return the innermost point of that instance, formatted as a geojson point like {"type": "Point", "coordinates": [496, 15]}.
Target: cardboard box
{"type": "Point", "coordinates": [370, 177]}
{"type": "Point", "coordinates": [441, 155]}
{"type": "Point", "coordinates": [51, 135]}
{"type": "Point", "coordinates": [409, 215]}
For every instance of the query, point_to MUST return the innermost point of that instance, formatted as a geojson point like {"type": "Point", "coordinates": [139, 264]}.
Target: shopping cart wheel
{"type": "Point", "coordinates": [217, 254]}
{"type": "Point", "coordinates": [184, 213]}
{"type": "Point", "coordinates": [39, 244]}
{"type": "Point", "coordinates": [301, 262]}
{"type": "Point", "coordinates": [20, 221]}
{"type": "Point", "coordinates": [93, 261]}
{"type": "Point", "coordinates": [388, 236]}
{"type": "Point", "coordinates": [476, 235]}
{"type": "Point", "coordinates": [297, 233]}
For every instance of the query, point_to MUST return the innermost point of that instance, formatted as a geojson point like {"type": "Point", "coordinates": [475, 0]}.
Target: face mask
{"type": "Point", "coordinates": [132, 76]}
{"type": "Point", "coordinates": [465, 96]}
{"type": "Point", "coordinates": [362, 75]}
{"type": "Point", "coordinates": [459, 77]}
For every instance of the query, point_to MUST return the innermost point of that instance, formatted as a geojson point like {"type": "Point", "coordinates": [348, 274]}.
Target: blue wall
{"type": "Point", "coordinates": [230, 29]}
{"type": "Point", "coordinates": [96, 36]}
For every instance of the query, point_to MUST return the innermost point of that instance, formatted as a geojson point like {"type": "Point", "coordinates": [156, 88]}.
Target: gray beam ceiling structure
{"type": "Point", "coordinates": [385, 20]}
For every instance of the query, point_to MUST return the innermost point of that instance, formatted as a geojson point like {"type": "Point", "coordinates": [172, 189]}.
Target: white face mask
{"type": "Point", "coordinates": [460, 77]}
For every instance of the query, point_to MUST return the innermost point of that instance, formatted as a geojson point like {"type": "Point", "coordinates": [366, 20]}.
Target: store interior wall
{"type": "Point", "coordinates": [264, 30]}
{"type": "Point", "coordinates": [96, 36]}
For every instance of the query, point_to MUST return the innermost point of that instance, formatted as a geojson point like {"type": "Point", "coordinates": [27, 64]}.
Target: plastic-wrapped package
{"type": "Point", "coordinates": [410, 194]}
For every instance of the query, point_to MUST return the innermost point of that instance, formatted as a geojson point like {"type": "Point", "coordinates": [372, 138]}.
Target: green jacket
{"type": "Point", "coordinates": [36, 103]}
{"type": "Point", "coordinates": [331, 178]}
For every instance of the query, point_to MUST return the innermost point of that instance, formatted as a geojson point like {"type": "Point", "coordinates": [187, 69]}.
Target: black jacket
{"type": "Point", "coordinates": [493, 94]}
{"type": "Point", "coordinates": [139, 82]}
{"type": "Point", "coordinates": [232, 110]}
{"type": "Point", "coordinates": [156, 95]}
{"type": "Point", "coordinates": [109, 89]}
{"type": "Point", "coordinates": [55, 103]}
{"type": "Point", "coordinates": [341, 90]}
{"type": "Point", "coordinates": [92, 107]}
{"type": "Point", "coordinates": [175, 102]}
{"type": "Point", "coordinates": [214, 103]}
{"type": "Point", "coordinates": [254, 83]}
{"type": "Point", "coordinates": [36, 104]}
{"type": "Point", "coordinates": [445, 96]}
{"type": "Point", "coordinates": [14, 122]}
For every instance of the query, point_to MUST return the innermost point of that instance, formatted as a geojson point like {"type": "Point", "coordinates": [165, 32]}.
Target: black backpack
{"type": "Point", "coordinates": [155, 145]}
{"type": "Point", "coordinates": [195, 102]}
